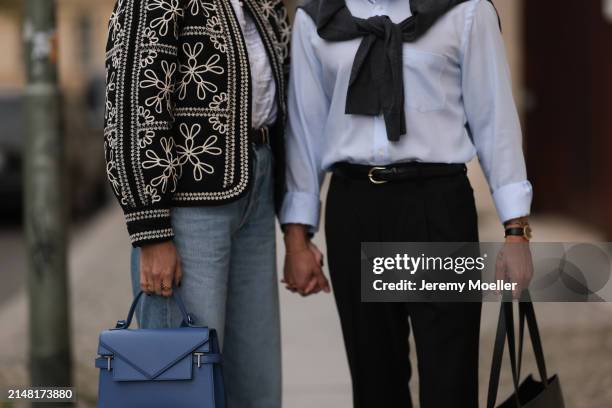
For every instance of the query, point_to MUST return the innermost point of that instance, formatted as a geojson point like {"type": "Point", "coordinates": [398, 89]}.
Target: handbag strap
{"type": "Point", "coordinates": [505, 328]}
{"type": "Point", "coordinates": [187, 318]}
{"type": "Point", "coordinates": [527, 313]}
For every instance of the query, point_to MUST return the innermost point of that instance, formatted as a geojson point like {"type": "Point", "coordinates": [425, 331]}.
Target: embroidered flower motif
{"type": "Point", "coordinates": [145, 136]}
{"type": "Point", "coordinates": [116, 60]}
{"type": "Point", "coordinates": [192, 71]}
{"type": "Point", "coordinates": [110, 111]}
{"type": "Point", "coordinates": [165, 86]}
{"type": "Point", "coordinates": [219, 123]}
{"type": "Point", "coordinates": [219, 42]}
{"type": "Point", "coordinates": [111, 138]}
{"type": "Point", "coordinates": [219, 101]}
{"type": "Point", "coordinates": [284, 34]}
{"type": "Point", "coordinates": [147, 57]}
{"type": "Point", "coordinates": [149, 37]}
{"type": "Point", "coordinates": [111, 169]}
{"type": "Point", "coordinates": [144, 116]}
{"type": "Point", "coordinates": [214, 24]}
{"type": "Point", "coordinates": [267, 7]}
{"type": "Point", "coordinates": [111, 166]}
{"type": "Point", "coordinates": [152, 193]}
{"type": "Point", "coordinates": [171, 10]}
{"type": "Point", "coordinates": [195, 6]}
{"type": "Point", "coordinates": [114, 24]}
{"type": "Point", "coordinates": [124, 197]}
{"type": "Point", "coordinates": [167, 163]}
{"type": "Point", "coordinates": [191, 153]}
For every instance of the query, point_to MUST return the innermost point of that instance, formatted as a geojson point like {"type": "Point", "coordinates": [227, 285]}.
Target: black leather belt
{"type": "Point", "coordinates": [260, 136]}
{"type": "Point", "coordinates": [397, 172]}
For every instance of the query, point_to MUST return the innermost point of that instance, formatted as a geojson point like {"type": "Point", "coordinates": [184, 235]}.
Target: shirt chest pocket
{"type": "Point", "coordinates": [423, 90]}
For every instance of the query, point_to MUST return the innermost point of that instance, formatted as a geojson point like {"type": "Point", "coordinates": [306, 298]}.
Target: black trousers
{"type": "Point", "coordinates": [376, 334]}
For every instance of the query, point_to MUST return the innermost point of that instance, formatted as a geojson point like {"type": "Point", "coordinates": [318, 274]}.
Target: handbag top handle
{"type": "Point", "coordinates": [187, 318]}
{"type": "Point", "coordinates": [505, 329]}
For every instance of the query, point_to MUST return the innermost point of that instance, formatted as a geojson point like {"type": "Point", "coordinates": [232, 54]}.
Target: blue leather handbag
{"type": "Point", "coordinates": [176, 367]}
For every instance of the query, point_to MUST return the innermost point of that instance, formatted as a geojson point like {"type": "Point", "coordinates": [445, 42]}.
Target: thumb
{"type": "Point", "coordinates": [323, 283]}
{"type": "Point", "coordinates": [178, 274]}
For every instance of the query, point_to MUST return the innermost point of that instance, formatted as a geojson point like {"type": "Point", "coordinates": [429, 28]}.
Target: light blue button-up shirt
{"type": "Point", "coordinates": [456, 74]}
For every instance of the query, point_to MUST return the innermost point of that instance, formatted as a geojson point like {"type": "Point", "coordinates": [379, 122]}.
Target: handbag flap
{"type": "Point", "coordinates": [147, 354]}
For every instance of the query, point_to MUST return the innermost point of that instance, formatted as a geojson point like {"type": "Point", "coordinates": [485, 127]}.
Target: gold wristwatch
{"type": "Point", "coordinates": [519, 231]}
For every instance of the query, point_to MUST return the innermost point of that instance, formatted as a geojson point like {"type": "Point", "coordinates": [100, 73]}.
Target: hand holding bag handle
{"type": "Point", "coordinates": [505, 329]}
{"type": "Point", "coordinates": [187, 318]}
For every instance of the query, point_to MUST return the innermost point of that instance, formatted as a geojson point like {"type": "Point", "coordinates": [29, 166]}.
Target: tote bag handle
{"type": "Point", "coordinates": [187, 318]}
{"type": "Point", "coordinates": [505, 329]}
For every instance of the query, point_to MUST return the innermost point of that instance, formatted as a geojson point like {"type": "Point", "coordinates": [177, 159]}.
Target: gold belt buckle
{"type": "Point", "coordinates": [371, 175]}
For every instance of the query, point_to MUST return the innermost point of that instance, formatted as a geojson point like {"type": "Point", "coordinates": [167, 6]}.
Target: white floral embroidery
{"type": "Point", "coordinates": [165, 86]}
{"type": "Point", "coordinates": [171, 12]}
{"type": "Point", "coordinates": [219, 123]}
{"type": "Point", "coordinates": [168, 163]}
{"type": "Point", "coordinates": [219, 101]}
{"type": "Point", "coordinates": [267, 7]}
{"type": "Point", "coordinates": [152, 193]}
{"type": "Point", "coordinates": [147, 58]}
{"type": "Point", "coordinates": [195, 5]}
{"type": "Point", "coordinates": [116, 60]}
{"type": "Point", "coordinates": [145, 136]}
{"type": "Point", "coordinates": [214, 25]}
{"type": "Point", "coordinates": [191, 153]}
{"type": "Point", "coordinates": [219, 42]}
{"type": "Point", "coordinates": [114, 24]}
{"type": "Point", "coordinates": [110, 111]}
{"type": "Point", "coordinates": [111, 170]}
{"type": "Point", "coordinates": [285, 34]}
{"type": "Point", "coordinates": [193, 72]}
{"type": "Point", "coordinates": [146, 150]}
{"type": "Point", "coordinates": [149, 37]}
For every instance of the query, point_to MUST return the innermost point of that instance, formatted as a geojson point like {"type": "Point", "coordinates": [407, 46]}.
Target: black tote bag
{"type": "Point", "coordinates": [545, 393]}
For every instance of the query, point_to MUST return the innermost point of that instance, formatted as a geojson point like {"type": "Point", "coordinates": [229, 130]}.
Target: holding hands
{"type": "Point", "coordinates": [303, 263]}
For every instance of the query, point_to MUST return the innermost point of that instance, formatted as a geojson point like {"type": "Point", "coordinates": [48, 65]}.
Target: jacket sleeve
{"type": "Point", "coordinates": [141, 74]}
{"type": "Point", "coordinates": [284, 28]}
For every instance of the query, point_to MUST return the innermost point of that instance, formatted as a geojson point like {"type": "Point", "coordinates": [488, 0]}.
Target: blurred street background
{"type": "Point", "coordinates": [563, 86]}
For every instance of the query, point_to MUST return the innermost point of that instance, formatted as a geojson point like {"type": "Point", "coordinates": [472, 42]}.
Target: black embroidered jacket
{"type": "Point", "coordinates": [178, 106]}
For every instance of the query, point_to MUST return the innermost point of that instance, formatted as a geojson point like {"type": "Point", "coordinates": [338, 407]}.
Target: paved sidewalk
{"type": "Point", "coordinates": [577, 337]}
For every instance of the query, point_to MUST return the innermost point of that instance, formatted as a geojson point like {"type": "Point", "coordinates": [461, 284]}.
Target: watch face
{"type": "Point", "coordinates": [527, 232]}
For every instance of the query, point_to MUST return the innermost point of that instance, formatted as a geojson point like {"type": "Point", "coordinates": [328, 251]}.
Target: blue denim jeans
{"type": "Point", "coordinates": [228, 256]}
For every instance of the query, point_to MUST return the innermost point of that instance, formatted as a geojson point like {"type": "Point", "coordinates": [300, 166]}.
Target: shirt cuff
{"type": "Point", "coordinates": [301, 208]}
{"type": "Point", "coordinates": [513, 200]}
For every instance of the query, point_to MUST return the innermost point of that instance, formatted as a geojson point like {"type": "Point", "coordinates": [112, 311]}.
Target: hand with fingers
{"type": "Point", "coordinates": [303, 271]}
{"type": "Point", "coordinates": [514, 264]}
{"type": "Point", "coordinates": [160, 268]}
